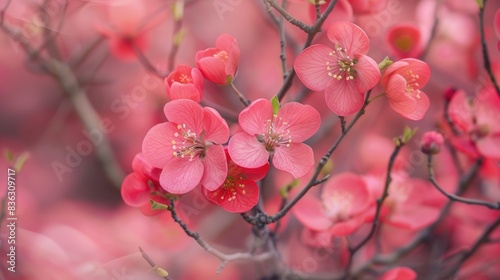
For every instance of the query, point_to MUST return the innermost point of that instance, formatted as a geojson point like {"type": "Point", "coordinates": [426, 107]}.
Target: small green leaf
{"type": "Point", "coordinates": [408, 134]}
{"type": "Point", "coordinates": [284, 191]}
{"type": "Point", "coordinates": [161, 272]}
{"type": "Point", "coordinates": [384, 63]}
{"type": "Point", "coordinates": [480, 3]}
{"type": "Point", "coordinates": [158, 206]}
{"type": "Point", "coordinates": [20, 161]}
{"type": "Point", "coordinates": [328, 168]}
{"type": "Point", "coordinates": [276, 104]}
{"type": "Point", "coordinates": [8, 155]}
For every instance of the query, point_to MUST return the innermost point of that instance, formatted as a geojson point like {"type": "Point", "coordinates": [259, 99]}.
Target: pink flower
{"type": "Point", "coordinates": [277, 135]}
{"type": "Point", "coordinates": [185, 82]}
{"type": "Point", "coordinates": [368, 6]}
{"type": "Point", "coordinates": [344, 73]}
{"type": "Point", "coordinates": [497, 26]}
{"type": "Point", "coordinates": [219, 64]}
{"type": "Point", "coordinates": [344, 200]}
{"type": "Point", "coordinates": [402, 82]}
{"type": "Point", "coordinates": [405, 41]}
{"type": "Point", "coordinates": [239, 193]}
{"type": "Point", "coordinates": [188, 147]}
{"type": "Point", "coordinates": [142, 185]}
{"type": "Point", "coordinates": [399, 273]}
{"type": "Point", "coordinates": [431, 142]}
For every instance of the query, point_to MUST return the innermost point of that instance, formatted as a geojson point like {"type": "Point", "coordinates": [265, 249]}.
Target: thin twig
{"type": "Point", "coordinates": [177, 29]}
{"type": "Point", "coordinates": [486, 56]}
{"type": "Point", "coordinates": [147, 64]}
{"type": "Point", "coordinates": [306, 28]}
{"type": "Point", "coordinates": [153, 265]}
{"type": "Point", "coordinates": [240, 95]}
{"type": "Point", "coordinates": [433, 30]}
{"type": "Point", "coordinates": [281, 27]}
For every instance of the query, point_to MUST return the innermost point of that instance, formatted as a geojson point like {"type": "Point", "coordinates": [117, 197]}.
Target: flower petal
{"type": "Point", "coordinates": [157, 144]}
{"type": "Point", "coordinates": [343, 97]}
{"type": "Point", "coordinates": [398, 273]}
{"type": "Point", "coordinates": [296, 159]}
{"type": "Point", "coordinates": [423, 104]}
{"type": "Point", "coordinates": [181, 175]}
{"type": "Point", "coordinates": [310, 213]}
{"type": "Point", "coordinates": [310, 66]}
{"type": "Point", "coordinates": [253, 118]}
{"type": "Point", "coordinates": [368, 73]}
{"type": "Point", "coordinates": [415, 218]}
{"type": "Point", "coordinates": [346, 190]}
{"type": "Point", "coordinates": [185, 111]}
{"type": "Point", "coordinates": [246, 151]}
{"type": "Point", "coordinates": [488, 145]}
{"type": "Point", "coordinates": [184, 91]}
{"type": "Point", "coordinates": [301, 120]}
{"type": "Point", "coordinates": [349, 36]}
{"type": "Point", "coordinates": [215, 126]}
{"type": "Point", "coordinates": [215, 171]}
{"type": "Point", "coordinates": [400, 102]}
{"type": "Point", "coordinates": [135, 190]}
{"type": "Point", "coordinates": [239, 199]}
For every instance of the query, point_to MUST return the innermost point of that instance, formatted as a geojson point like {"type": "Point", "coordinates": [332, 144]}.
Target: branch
{"type": "Point", "coordinates": [160, 271]}
{"type": "Point", "coordinates": [225, 258]}
{"type": "Point", "coordinates": [432, 179]}
{"type": "Point", "coordinates": [147, 64]}
{"type": "Point", "coordinates": [281, 27]}
{"type": "Point", "coordinates": [306, 28]}
{"type": "Point", "coordinates": [486, 57]}
{"type": "Point", "coordinates": [433, 30]}
{"type": "Point", "coordinates": [240, 95]}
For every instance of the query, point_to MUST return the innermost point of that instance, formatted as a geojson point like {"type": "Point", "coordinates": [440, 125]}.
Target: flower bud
{"type": "Point", "coordinates": [431, 142]}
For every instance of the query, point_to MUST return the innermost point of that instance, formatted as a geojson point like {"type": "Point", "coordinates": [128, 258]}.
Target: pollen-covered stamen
{"type": "Point", "coordinates": [338, 206]}
{"type": "Point", "coordinates": [186, 144]}
{"type": "Point", "coordinates": [276, 134]}
{"type": "Point", "coordinates": [184, 79]}
{"type": "Point", "coordinates": [412, 85]}
{"type": "Point", "coordinates": [230, 189]}
{"type": "Point", "coordinates": [223, 55]}
{"type": "Point", "coordinates": [342, 65]}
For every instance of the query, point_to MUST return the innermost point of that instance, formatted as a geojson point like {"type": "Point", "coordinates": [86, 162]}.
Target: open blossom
{"type": "Point", "coordinates": [344, 200]}
{"type": "Point", "coordinates": [188, 148]}
{"type": "Point", "coordinates": [402, 82]}
{"type": "Point", "coordinates": [405, 41]}
{"type": "Point", "coordinates": [345, 73]}
{"type": "Point", "coordinates": [277, 135]}
{"type": "Point", "coordinates": [239, 193]}
{"type": "Point", "coordinates": [185, 83]}
{"type": "Point", "coordinates": [219, 64]}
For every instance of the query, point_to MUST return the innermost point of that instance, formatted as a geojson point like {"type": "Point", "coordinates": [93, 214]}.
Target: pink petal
{"type": "Point", "coordinates": [349, 36]}
{"type": "Point", "coordinates": [184, 91]}
{"type": "Point", "coordinates": [225, 42]}
{"type": "Point", "coordinates": [213, 69]}
{"type": "Point", "coordinates": [141, 166]}
{"type": "Point", "coordinates": [404, 66]}
{"type": "Point", "coordinates": [368, 73]}
{"type": "Point", "coordinates": [135, 190]}
{"type": "Point", "coordinates": [254, 174]}
{"type": "Point", "coordinates": [215, 126]}
{"type": "Point", "coordinates": [405, 41]}
{"type": "Point", "coordinates": [157, 146]}
{"type": "Point", "coordinates": [301, 120]}
{"type": "Point", "coordinates": [397, 97]}
{"type": "Point", "coordinates": [496, 23]}
{"type": "Point", "coordinates": [246, 151]}
{"type": "Point", "coordinates": [423, 104]}
{"type": "Point", "coordinates": [489, 146]}
{"type": "Point", "coordinates": [215, 171]}
{"type": "Point", "coordinates": [239, 199]}
{"type": "Point", "coordinates": [296, 159]}
{"type": "Point", "coordinates": [310, 66]}
{"type": "Point", "coordinates": [393, 68]}
{"type": "Point", "coordinates": [350, 186]}
{"type": "Point", "coordinates": [346, 227]}
{"type": "Point", "coordinates": [399, 273]}
{"type": "Point", "coordinates": [414, 218]}
{"type": "Point", "coordinates": [460, 111]}
{"type": "Point", "coordinates": [310, 213]}
{"type": "Point", "coordinates": [181, 175]}
{"type": "Point", "coordinates": [185, 111]}
{"type": "Point", "coordinates": [343, 97]}
{"type": "Point", "coordinates": [253, 118]}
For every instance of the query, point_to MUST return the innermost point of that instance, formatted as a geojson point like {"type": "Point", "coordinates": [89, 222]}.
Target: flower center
{"type": "Point", "coordinates": [338, 206]}
{"type": "Point", "coordinates": [230, 189]}
{"type": "Point", "coordinates": [187, 144]}
{"type": "Point", "coordinates": [276, 134]}
{"type": "Point", "coordinates": [412, 86]}
{"type": "Point", "coordinates": [343, 67]}
{"type": "Point", "coordinates": [184, 79]}
{"type": "Point", "coordinates": [222, 55]}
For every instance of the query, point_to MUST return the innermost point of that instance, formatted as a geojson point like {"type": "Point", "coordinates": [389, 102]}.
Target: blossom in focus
{"type": "Point", "coordinates": [220, 64]}
{"type": "Point", "coordinates": [142, 185]}
{"type": "Point", "coordinates": [185, 83]}
{"type": "Point", "coordinates": [402, 82]}
{"type": "Point", "coordinates": [188, 148]}
{"type": "Point", "coordinates": [405, 41]}
{"type": "Point", "coordinates": [344, 200]}
{"type": "Point", "coordinates": [239, 193]}
{"type": "Point", "coordinates": [277, 135]}
{"type": "Point", "coordinates": [345, 73]}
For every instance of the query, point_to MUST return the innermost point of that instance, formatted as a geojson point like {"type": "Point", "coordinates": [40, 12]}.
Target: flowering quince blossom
{"type": "Point", "coordinates": [219, 64]}
{"type": "Point", "coordinates": [402, 82]}
{"type": "Point", "coordinates": [345, 73]}
{"type": "Point", "coordinates": [344, 200]}
{"type": "Point", "coordinates": [405, 41]}
{"type": "Point", "coordinates": [142, 185]}
{"type": "Point", "coordinates": [278, 135]}
{"type": "Point", "coordinates": [239, 192]}
{"type": "Point", "coordinates": [188, 148]}
{"type": "Point", "coordinates": [185, 83]}
{"type": "Point", "coordinates": [478, 121]}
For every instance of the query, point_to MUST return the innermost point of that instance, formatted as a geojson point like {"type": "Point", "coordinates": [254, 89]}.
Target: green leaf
{"type": "Point", "coordinates": [480, 3]}
{"type": "Point", "coordinates": [20, 161]}
{"type": "Point", "coordinates": [276, 104]}
{"type": "Point", "coordinates": [384, 63]}
{"type": "Point", "coordinates": [408, 134]}
{"type": "Point", "coordinates": [8, 155]}
{"type": "Point", "coordinates": [284, 191]}
{"type": "Point", "coordinates": [158, 206]}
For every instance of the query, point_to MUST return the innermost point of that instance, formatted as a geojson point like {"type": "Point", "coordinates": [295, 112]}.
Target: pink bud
{"type": "Point", "coordinates": [431, 142]}
{"type": "Point", "coordinates": [449, 93]}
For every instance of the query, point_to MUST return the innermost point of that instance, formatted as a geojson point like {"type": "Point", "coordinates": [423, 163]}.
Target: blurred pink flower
{"type": "Point", "coordinates": [368, 6]}
{"type": "Point", "coordinates": [344, 199]}
{"type": "Point", "coordinates": [239, 193]}
{"type": "Point", "coordinates": [405, 41]}
{"type": "Point", "coordinates": [185, 83]}
{"type": "Point", "coordinates": [497, 26]}
{"type": "Point", "coordinates": [478, 121]}
{"type": "Point", "coordinates": [277, 135]}
{"type": "Point", "coordinates": [431, 142]}
{"type": "Point", "coordinates": [188, 147]}
{"type": "Point", "coordinates": [402, 82]}
{"type": "Point", "coordinates": [345, 73]}
{"type": "Point", "coordinates": [341, 12]}
{"type": "Point", "coordinates": [219, 64]}
{"type": "Point", "coordinates": [399, 273]}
